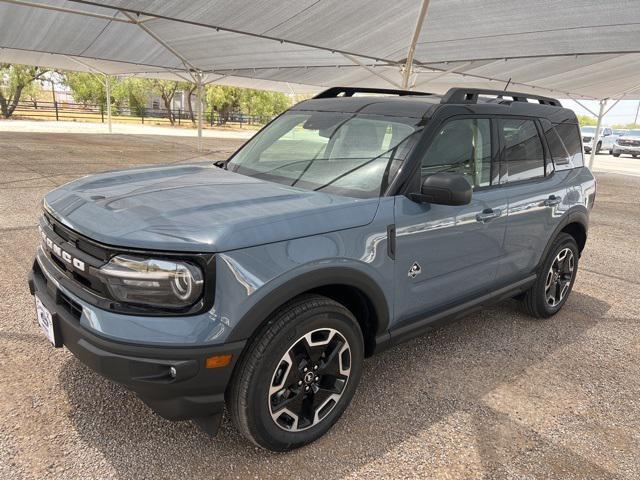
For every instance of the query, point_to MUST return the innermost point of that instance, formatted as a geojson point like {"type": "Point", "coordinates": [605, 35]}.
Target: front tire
{"type": "Point", "coordinates": [299, 374]}
{"type": "Point", "coordinates": [616, 154]}
{"type": "Point", "coordinates": [555, 278]}
{"type": "Point", "coordinates": [598, 147]}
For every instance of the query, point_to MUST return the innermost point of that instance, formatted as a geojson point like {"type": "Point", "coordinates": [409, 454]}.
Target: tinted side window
{"type": "Point", "coordinates": [523, 149]}
{"type": "Point", "coordinates": [462, 146]}
{"type": "Point", "coordinates": [565, 145]}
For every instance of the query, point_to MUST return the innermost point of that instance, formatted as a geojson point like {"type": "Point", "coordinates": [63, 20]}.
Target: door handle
{"type": "Point", "coordinates": [488, 214]}
{"type": "Point", "coordinates": [552, 201]}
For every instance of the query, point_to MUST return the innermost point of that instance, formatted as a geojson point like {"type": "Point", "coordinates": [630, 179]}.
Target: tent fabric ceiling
{"type": "Point", "coordinates": [577, 48]}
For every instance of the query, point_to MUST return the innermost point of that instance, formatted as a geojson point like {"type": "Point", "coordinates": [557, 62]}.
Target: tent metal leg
{"type": "Point", "coordinates": [107, 82]}
{"type": "Point", "coordinates": [199, 109]}
{"type": "Point", "coordinates": [596, 137]}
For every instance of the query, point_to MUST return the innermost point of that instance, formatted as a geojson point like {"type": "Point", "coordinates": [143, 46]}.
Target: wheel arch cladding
{"type": "Point", "coordinates": [578, 231]}
{"type": "Point", "coordinates": [574, 223]}
{"type": "Point", "coordinates": [349, 287]}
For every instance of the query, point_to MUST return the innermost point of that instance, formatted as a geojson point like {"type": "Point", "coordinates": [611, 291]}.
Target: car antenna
{"type": "Point", "coordinates": [508, 82]}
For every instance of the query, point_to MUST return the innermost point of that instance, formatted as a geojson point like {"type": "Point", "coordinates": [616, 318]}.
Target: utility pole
{"type": "Point", "coordinates": [635, 120]}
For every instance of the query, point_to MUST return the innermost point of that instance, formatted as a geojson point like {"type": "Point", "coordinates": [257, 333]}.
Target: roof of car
{"type": "Point", "coordinates": [413, 106]}
{"type": "Point", "coordinates": [420, 106]}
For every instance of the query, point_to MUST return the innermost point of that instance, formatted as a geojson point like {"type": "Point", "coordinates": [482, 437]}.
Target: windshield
{"type": "Point", "coordinates": [591, 130]}
{"type": "Point", "coordinates": [344, 153]}
{"type": "Point", "coordinates": [632, 133]}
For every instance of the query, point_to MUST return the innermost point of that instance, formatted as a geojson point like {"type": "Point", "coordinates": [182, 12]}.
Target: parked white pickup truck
{"type": "Point", "coordinates": [606, 139]}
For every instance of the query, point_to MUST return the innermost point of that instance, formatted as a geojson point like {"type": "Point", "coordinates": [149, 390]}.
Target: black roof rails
{"type": "Point", "coordinates": [350, 91]}
{"type": "Point", "coordinates": [470, 95]}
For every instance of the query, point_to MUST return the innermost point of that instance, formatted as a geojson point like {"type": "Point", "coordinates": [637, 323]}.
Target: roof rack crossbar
{"type": "Point", "coordinates": [470, 95]}
{"type": "Point", "coordinates": [350, 91]}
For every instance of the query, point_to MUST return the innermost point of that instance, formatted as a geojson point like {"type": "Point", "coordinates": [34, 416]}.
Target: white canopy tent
{"type": "Point", "coordinates": [571, 49]}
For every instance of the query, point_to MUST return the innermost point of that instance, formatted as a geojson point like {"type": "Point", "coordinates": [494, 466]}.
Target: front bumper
{"type": "Point", "coordinates": [629, 150]}
{"type": "Point", "coordinates": [196, 392]}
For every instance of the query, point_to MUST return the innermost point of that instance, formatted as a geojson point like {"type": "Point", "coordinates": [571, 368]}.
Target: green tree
{"type": "Point", "coordinates": [133, 92]}
{"type": "Point", "coordinates": [585, 120]}
{"type": "Point", "coordinates": [167, 90]}
{"type": "Point", "coordinates": [90, 88]}
{"type": "Point", "coordinates": [87, 88]}
{"type": "Point", "coordinates": [263, 104]}
{"type": "Point", "coordinates": [226, 100]}
{"type": "Point", "coordinates": [16, 79]}
{"type": "Point", "coordinates": [33, 92]}
{"type": "Point", "coordinates": [223, 100]}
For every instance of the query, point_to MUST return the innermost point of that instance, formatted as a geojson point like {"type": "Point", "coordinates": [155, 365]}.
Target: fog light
{"type": "Point", "coordinates": [173, 372]}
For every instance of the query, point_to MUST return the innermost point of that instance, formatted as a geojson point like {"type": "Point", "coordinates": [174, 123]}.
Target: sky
{"type": "Point", "coordinates": [624, 112]}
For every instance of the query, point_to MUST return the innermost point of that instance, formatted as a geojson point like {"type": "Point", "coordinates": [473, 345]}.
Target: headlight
{"type": "Point", "coordinates": [153, 282]}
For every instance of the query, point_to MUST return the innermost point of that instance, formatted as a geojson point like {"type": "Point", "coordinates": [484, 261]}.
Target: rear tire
{"type": "Point", "coordinates": [616, 155]}
{"type": "Point", "coordinates": [555, 278]}
{"type": "Point", "coordinates": [298, 375]}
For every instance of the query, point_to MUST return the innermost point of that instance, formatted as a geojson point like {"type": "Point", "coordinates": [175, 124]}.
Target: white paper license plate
{"type": "Point", "coordinates": [45, 320]}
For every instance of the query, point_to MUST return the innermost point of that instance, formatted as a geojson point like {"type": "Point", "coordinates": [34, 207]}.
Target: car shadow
{"type": "Point", "coordinates": [404, 393]}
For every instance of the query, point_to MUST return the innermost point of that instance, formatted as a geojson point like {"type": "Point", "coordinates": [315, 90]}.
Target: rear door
{"type": "Point", "coordinates": [446, 254]}
{"type": "Point", "coordinates": [535, 195]}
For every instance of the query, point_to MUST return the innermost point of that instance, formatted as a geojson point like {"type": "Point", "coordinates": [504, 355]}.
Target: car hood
{"type": "Point", "coordinates": [198, 208]}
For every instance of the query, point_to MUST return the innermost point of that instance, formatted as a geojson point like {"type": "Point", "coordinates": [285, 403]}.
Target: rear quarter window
{"type": "Point", "coordinates": [564, 144]}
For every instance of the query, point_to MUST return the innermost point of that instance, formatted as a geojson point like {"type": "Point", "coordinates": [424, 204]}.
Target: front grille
{"type": "Point", "coordinates": [87, 285]}
{"type": "Point", "coordinates": [586, 139]}
{"type": "Point", "coordinates": [68, 304]}
{"type": "Point", "coordinates": [61, 298]}
{"type": "Point", "coordinates": [91, 255]}
{"type": "Point", "coordinates": [629, 143]}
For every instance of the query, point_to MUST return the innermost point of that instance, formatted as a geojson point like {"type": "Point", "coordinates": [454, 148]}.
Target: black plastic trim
{"type": "Point", "coordinates": [391, 241]}
{"type": "Point", "coordinates": [578, 214]}
{"type": "Point", "coordinates": [414, 327]}
{"type": "Point", "coordinates": [260, 312]}
{"type": "Point", "coordinates": [470, 95]}
{"type": "Point", "coordinates": [195, 392]}
{"type": "Point", "coordinates": [334, 92]}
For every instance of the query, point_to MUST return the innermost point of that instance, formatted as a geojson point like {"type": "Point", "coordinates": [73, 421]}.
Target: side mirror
{"type": "Point", "coordinates": [444, 189]}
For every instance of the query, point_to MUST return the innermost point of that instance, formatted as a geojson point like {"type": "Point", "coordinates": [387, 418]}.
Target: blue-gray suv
{"type": "Point", "coordinates": [356, 220]}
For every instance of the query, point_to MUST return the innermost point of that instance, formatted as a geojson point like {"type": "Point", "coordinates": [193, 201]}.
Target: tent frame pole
{"type": "Point", "coordinates": [369, 69]}
{"type": "Point", "coordinates": [408, 65]}
{"type": "Point", "coordinates": [107, 82]}
{"type": "Point", "coordinates": [198, 78]}
{"type": "Point", "coordinates": [596, 137]}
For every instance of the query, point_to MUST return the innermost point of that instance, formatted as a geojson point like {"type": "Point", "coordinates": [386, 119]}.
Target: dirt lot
{"type": "Point", "coordinates": [495, 395]}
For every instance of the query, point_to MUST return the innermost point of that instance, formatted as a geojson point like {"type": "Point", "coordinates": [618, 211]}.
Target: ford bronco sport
{"type": "Point", "coordinates": [356, 220]}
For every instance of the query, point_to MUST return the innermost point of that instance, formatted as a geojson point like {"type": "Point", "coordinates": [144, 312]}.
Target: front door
{"type": "Point", "coordinates": [447, 254]}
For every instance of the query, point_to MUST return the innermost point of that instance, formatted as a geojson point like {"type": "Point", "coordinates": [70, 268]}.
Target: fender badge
{"type": "Point", "coordinates": [415, 270]}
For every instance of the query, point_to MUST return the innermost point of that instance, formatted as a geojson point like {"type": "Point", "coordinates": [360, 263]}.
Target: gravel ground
{"type": "Point", "coordinates": [496, 395]}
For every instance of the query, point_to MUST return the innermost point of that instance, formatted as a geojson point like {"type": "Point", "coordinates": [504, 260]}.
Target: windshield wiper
{"type": "Point", "coordinates": [221, 164]}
